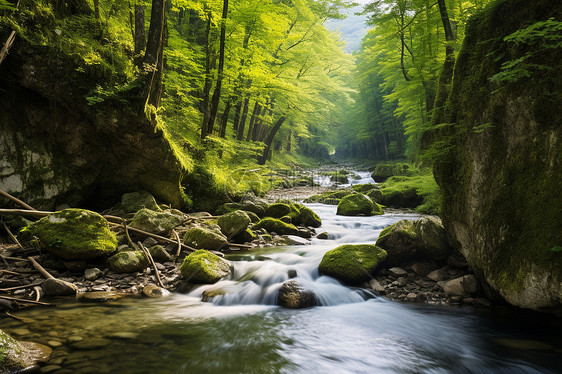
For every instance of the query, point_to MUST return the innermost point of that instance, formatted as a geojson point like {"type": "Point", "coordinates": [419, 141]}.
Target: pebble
{"type": "Point", "coordinates": [92, 274]}
{"type": "Point", "coordinates": [398, 272]}
{"type": "Point", "coordinates": [49, 368]}
{"type": "Point", "coordinates": [21, 331]}
{"type": "Point", "coordinates": [92, 343]}
{"type": "Point", "coordinates": [75, 338]}
{"type": "Point", "coordinates": [54, 343]}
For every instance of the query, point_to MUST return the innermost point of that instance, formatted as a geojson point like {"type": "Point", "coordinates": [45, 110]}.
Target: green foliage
{"type": "Point", "coordinates": [421, 189]}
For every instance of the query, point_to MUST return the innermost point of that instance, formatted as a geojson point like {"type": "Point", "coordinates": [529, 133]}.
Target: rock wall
{"type": "Point", "coordinates": [502, 172]}
{"type": "Point", "coordinates": [56, 149]}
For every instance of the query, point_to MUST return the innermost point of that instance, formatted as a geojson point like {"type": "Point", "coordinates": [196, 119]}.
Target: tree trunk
{"type": "Point", "coordinates": [217, 94]}
{"type": "Point", "coordinates": [250, 134]}
{"type": "Point", "coordinates": [224, 119]}
{"type": "Point", "coordinates": [140, 36]}
{"type": "Point", "coordinates": [257, 118]}
{"type": "Point", "coordinates": [242, 122]}
{"type": "Point", "coordinates": [269, 140]}
{"type": "Point", "coordinates": [152, 60]}
{"type": "Point", "coordinates": [97, 9]}
{"type": "Point", "coordinates": [208, 81]}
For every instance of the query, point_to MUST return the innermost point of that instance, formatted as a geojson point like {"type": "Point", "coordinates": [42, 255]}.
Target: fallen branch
{"type": "Point", "coordinates": [25, 301]}
{"type": "Point", "coordinates": [239, 245]}
{"type": "Point", "coordinates": [13, 258]}
{"type": "Point", "coordinates": [179, 243]}
{"type": "Point", "coordinates": [21, 212]}
{"type": "Point", "coordinates": [14, 239]}
{"type": "Point", "coordinates": [40, 269]}
{"type": "Point", "coordinates": [15, 199]}
{"type": "Point", "coordinates": [20, 287]}
{"type": "Point", "coordinates": [37, 293]}
{"type": "Point", "coordinates": [149, 256]}
{"type": "Point", "coordinates": [7, 46]}
{"type": "Point", "coordinates": [9, 272]}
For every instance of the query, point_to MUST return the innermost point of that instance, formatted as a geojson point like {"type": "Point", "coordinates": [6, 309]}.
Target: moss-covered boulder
{"type": "Point", "coordinates": [293, 295]}
{"type": "Point", "coordinates": [159, 254]}
{"type": "Point", "coordinates": [204, 267]}
{"type": "Point", "coordinates": [245, 237]}
{"type": "Point", "coordinates": [234, 223]}
{"type": "Point", "coordinates": [277, 226]}
{"type": "Point", "coordinates": [286, 219]}
{"type": "Point", "coordinates": [277, 210]}
{"type": "Point", "coordinates": [384, 171]}
{"type": "Point", "coordinates": [157, 222]}
{"type": "Point", "coordinates": [410, 240]}
{"type": "Point", "coordinates": [128, 262]}
{"type": "Point", "coordinates": [358, 204]}
{"type": "Point", "coordinates": [362, 188]}
{"type": "Point", "coordinates": [204, 238]}
{"type": "Point", "coordinates": [74, 234]}
{"type": "Point", "coordinates": [401, 192]}
{"type": "Point", "coordinates": [352, 264]}
{"type": "Point", "coordinates": [16, 356]}
{"type": "Point", "coordinates": [375, 195]}
{"type": "Point", "coordinates": [309, 218]}
{"type": "Point", "coordinates": [134, 201]}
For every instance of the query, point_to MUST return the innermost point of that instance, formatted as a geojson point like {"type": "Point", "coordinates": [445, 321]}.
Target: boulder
{"type": "Point", "coordinates": [466, 285]}
{"type": "Point", "coordinates": [92, 274]}
{"type": "Point", "coordinates": [408, 240]}
{"type": "Point", "coordinates": [277, 226]}
{"type": "Point", "coordinates": [323, 235]}
{"type": "Point", "coordinates": [152, 290]}
{"type": "Point", "coordinates": [375, 195]}
{"type": "Point", "coordinates": [358, 204]}
{"type": "Point", "coordinates": [74, 234]}
{"type": "Point", "coordinates": [204, 238]}
{"type": "Point", "coordinates": [57, 287]}
{"type": "Point", "coordinates": [204, 267]}
{"type": "Point", "coordinates": [363, 188]}
{"type": "Point", "coordinates": [157, 222]}
{"type": "Point", "coordinates": [245, 237]}
{"type": "Point", "coordinates": [234, 223]}
{"type": "Point", "coordinates": [437, 275]}
{"type": "Point", "coordinates": [159, 254]}
{"type": "Point", "coordinates": [384, 171]}
{"type": "Point", "coordinates": [99, 296]}
{"type": "Point", "coordinates": [128, 262]}
{"type": "Point", "coordinates": [397, 272]}
{"type": "Point", "coordinates": [277, 210]}
{"type": "Point", "coordinates": [134, 201]}
{"type": "Point", "coordinates": [309, 218]}
{"type": "Point", "coordinates": [16, 356]}
{"type": "Point", "coordinates": [293, 295]}
{"type": "Point", "coordinates": [253, 204]}
{"type": "Point", "coordinates": [352, 264]}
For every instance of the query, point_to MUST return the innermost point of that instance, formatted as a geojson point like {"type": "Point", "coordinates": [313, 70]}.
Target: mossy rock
{"type": "Point", "coordinates": [159, 254]}
{"type": "Point", "coordinates": [277, 226]}
{"type": "Point", "coordinates": [384, 171]}
{"type": "Point", "coordinates": [358, 204]}
{"type": "Point", "coordinates": [204, 238]}
{"type": "Point", "coordinates": [309, 218]}
{"type": "Point", "coordinates": [352, 264]}
{"type": "Point", "coordinates": [234, 223]}
{"type": "Point", "coordinates": [253, 216]}
{"type": "Point", "coordinates": [287, 219]}
{"type": "Point", "coordinates": [362, 188]}
{"type": "Point", "coordinates": [401, 196]}
{"type": "Point", "coordinates": [277, 210]}
{"type": "Point", "coordinates": [375, 195]}
{"type": "Point", "coordinates": [157, 222]}
{"type": "Point", "coordinates": [16, 356]}
{"type": "Point", "coordinates": [135, 201]}
{"type": "Point", "coordinates": [128, 262]}
{"type": "Point", "coordinates": [204, 267]}
{"type": "Point", "coordinates": [246, 236]}
{"type": "Point", "coordinates": [74, 234]}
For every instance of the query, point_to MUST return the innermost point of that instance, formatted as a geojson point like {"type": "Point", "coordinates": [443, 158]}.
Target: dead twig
{"type": "Point", "coordinates": [22, 212]}
{"type": "Point", "coordinates": [37, 293]}
{"type": "Point", "coordinates": [20, 287]}
{"type": "Point", "coordinates": [25, 301]}
{"type": "Point", "coordinates": [149, 256]}
{"type": "Point", "coordinates": [9, 272]}
{"type": "Point", "coordinates": [40, 269]}
{"type": "Point", "coordinates": [179, 243]}
{"type": "Point", "coordinates": [15, 199]}
{"type": "Point", "coordinates": [14, 239]}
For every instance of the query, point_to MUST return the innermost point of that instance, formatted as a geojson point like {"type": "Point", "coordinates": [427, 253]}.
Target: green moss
{"type": "Point", "coordinates": [277, 226]}
{"type": "Point", "coordinates": [364, 187]}
{"type": "Point", "coordinates": [157, 222]}
{"type": "Point", "coordinates": [384, 171]}
{"type": "Point", "coordinates": [204, 267]}
{"type": "Point", "coordinates": [352, 264]}
{"type": "Point", "coordinates": [277, 210]}
{"type": "Point", "coordinates": [309, 218]}
{"type": "Point", "coordinates": [135, 201]}
{"type": "Point", "coordinates": [234, 223]}
{"type": "Point", "coordinates": [10, 351]}
{"type": "Point", "coordinates": [286, 219]}
{"type": "Point", "coordinates": [419, 191]}
{"type": "Point", "coordinates": [245, 237]}
{"type": "Point", "coordinates": [358, 204]}
{"type": "Point", "coordinates": [203, 238]}
{"type": "Point", "coordinates": [128, 262]}
{"type": "Point", "coordinates": [74, 234]}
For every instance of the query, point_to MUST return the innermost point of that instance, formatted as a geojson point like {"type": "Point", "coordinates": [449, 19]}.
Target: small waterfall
{"type": "Point", "coordinates": [257, 276]}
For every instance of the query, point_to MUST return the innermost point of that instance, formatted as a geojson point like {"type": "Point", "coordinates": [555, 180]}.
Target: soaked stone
{"type": "Point", "coordinates": [92, 343]}
{"type": "Point", "coordinates": [54, 343]}
{"type": "Point", "coordinates": [49, 368]}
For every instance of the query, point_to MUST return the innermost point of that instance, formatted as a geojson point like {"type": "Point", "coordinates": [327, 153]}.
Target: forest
{"type": "Point", "coordinates": [241, 186]}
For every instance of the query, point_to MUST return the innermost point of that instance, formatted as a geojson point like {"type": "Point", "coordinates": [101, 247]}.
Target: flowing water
{"type": "Point", "coordinates": [242, 331]}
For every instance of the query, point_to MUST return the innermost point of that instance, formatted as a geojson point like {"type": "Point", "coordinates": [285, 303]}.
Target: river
{"type": "Point", "coordinates": [242, 331]}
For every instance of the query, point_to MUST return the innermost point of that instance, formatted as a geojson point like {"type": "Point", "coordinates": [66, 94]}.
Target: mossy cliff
{"type": "Point", "coordinates": [501, 174]}
{"type": "Point", "coordinates": [60, 142]}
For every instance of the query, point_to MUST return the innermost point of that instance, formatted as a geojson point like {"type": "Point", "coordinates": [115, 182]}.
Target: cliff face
{"type": "Point", "coordinates": [502, 172]}
{"type": "Point", "coordinates": [56, 149]}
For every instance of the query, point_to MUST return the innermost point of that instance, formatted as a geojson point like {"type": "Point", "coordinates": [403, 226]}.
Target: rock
{"type": "Point", "coordinates": [400, 194]}
{"type": "Point", "coordinates": [253, 204]}
{"type": "Point", "coordinates": [502, 184]}
{"type": "Point", "coordinates": [293, 295]}
{"type": "Point", "coordinates": [204, 267]}
{"type": "Point", "coordinates": [57, 287]}
{"type": "Point", "coordinates": [423, 268]}
{"type": "Point", "coordinates": [411, 296]}
{"type": "Point", "coordinates": [149, 242]}
{"type": "Point", "coordinates": [457, 260]}
{"type": "Point", "coordinates": [376, 286]}
{"type": "Point", "coordinates": [296, 240]}
{"type": "Point", "coordinates": [352, 264]}
{"type": "Point", "coordinates": [50, 368]}
{"type": "Point", "coordinates": [470, 284]}
{"type": "Point", "coordinates": [74, 234]}
{"type": "Point", "coordinates": [16, 356]}
{"type": "Point", "coordinates": [358, 204]}
{"type": "Point", "coordinates": [402, 281]}
{"type": "Point", "coordinates": [276, 226]}
{"type": "Point", "coordinates": [128, 262]}
{"type": "Point", "coordinates": [135, 201]}
{"type": "Point", "coordinates": [253, 216]}
{"type": "Point", "coordinates": [437, 275]}
{"type": "Point", "coordinates": [384, 171]}
{"type": "Point", "coordinates": [309, 218]}
{"type": "Point", "coordinates": [91, 343]}
{"type": "Point", "coordinates": [75, 266]}
{"type": "Point", "coordinates": [291, 273]}
{"type": "Point", "coordinates": [204, 238]}
{"type": "Point", "coordinates": [92, 274]}
{"type": "Point", "coordinates": [277, 210]}
{"type": "Point", "coordinates": [323, 235]}
{"type": "Point", "coordinates": [152, 290]}
{"type": "Point", "coordinates": [375, 195]}
{"type": "Point", "coordinates": [159, 254]}
{"type": "Point", "coordinates": [454, 287]}
{"type": "Point", "coordinates": [397, 272]}
{"type": "Point", "coordinates": [234, 223]}
{"type": "Point", "coordinates": [245, 237]}
{"type": "Point", "coordinates": [157, 222]}
{"type": "Point", "coordinates": [286, 219]}
{"type": "Point", "coordinates": [407, 240]}
{"type": "Point", "coordinates": [100, 296]}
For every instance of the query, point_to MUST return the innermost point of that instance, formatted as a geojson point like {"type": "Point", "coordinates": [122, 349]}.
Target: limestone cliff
{"type": "Point", "coordinates": [501, 173]}
{"type": "Point", "coordinates": [56, 149]}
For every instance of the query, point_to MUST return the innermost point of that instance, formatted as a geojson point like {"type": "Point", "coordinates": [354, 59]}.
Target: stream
{"type": "Point", "coordinates": [241, 330]}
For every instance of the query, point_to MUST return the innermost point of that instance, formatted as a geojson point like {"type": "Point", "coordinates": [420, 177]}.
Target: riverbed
{"type": "Point", "coordinates": [241, 330]}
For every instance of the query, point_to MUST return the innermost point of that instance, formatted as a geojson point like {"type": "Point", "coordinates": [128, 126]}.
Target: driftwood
{"type": "Point", "coordinates": [15, 199]}
{"type": "Point", "coordinates": [21, 212]}
{"type": "Point", "coordinates": [40, 269]}
{"type": "Point", "coordinates": [149, 256]}
{"type": "Point", "coordinates": [25, 301]}
{"type": "Point", "coordinates": [31, 285]}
